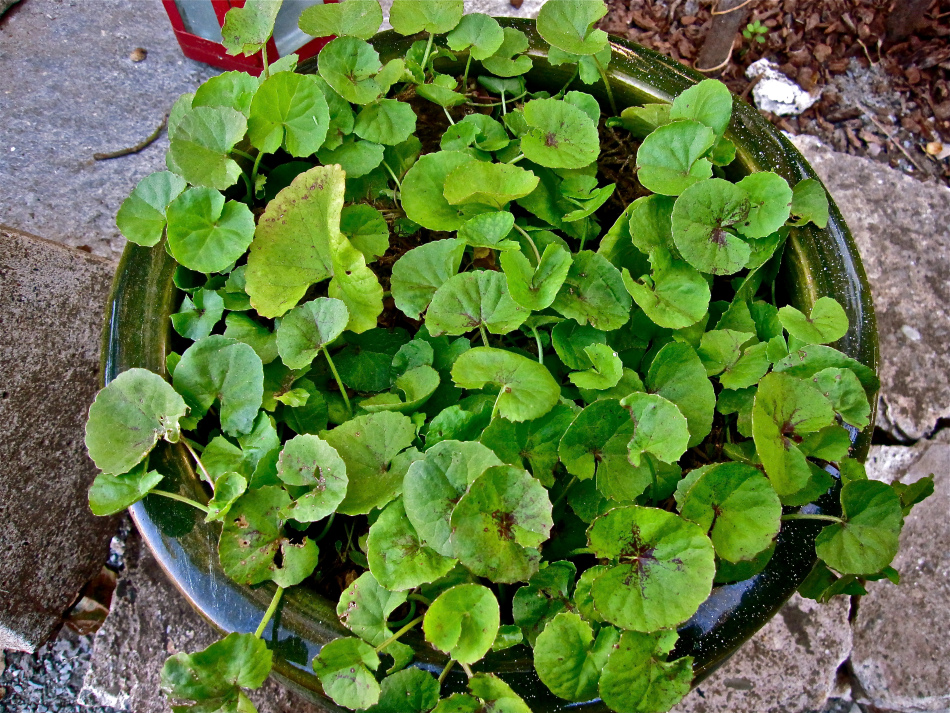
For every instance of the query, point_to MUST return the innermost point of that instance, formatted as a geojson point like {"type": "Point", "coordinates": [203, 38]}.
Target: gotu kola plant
{"type": "Point", "coordinates": [405, 332]}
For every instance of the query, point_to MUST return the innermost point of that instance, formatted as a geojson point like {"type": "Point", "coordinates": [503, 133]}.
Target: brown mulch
{"type": "Point", "coordinates": [873, 97]}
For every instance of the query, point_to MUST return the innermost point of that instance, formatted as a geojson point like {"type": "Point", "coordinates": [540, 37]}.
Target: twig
{"type": "Point", "coordinates": [719, 66]}
{"type": "Point", "coordinates": [732, 9]}
{"type": "Point", "coordinates": [153, 137]}
{"type": "Point", "coordinates": [889, 135]}
{"type": "Point", "coordinates": [745, 92]}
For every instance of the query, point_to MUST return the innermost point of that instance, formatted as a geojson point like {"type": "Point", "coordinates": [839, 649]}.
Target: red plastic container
{"type": "Point", "coordinates": [197, 25]}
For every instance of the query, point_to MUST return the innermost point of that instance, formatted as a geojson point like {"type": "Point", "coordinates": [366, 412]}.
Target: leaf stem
{"type": "Point", "coordinates": [481, 329]}
{"type": "Point", "coordinates": [530, 241]}
{"type": "Point", "coordinates": [242, 154]}
{"type": "Point", "coordinates": [266, 64]}
{"type": "Point", "coordinates": [497, 103]}
{"type": "Point", "coordinates": [504, 107]}
{"type": "Point", "coordinates": [269, 613]}
{"type": "Point", "coordinates": [580, 551]}
{"type": "Point", "coordinates": [449, 116]}
{"type": "Point", "coordinates": [410, 615]}
{"type": "Point", "coordinates": [425, 57]}
{"type": "Point", "coordinates": [403, 630]}
{"type": "Point", "coordinates": [570, 81]}
{"type": "Point", "coordinates": [564, 492]}
{"type": "Point", "coordinates": [201, 466]}
{"type": "Point", "coordinates": [393, 175]}
{"type": "Point", "coordinates": [467, 669]}
{"type": "Point", "coordinates": [326, 528]}
{"type": "Point", "coordinates": [516, 159]}
{"type": "Point", "coordinates": [257, 165]}
{"type": "Point", "coordinates": [468, 63]}
{"type": "Point", "coordinates": [445, 671]}
{"type": "Point", "coordinates": [339, 382]}
{"type": "Point", "coordinates": [420, 598]}
{"type": "Point", "coordinates": [804, 516]}
{"type": "Point", "coordinates": [181, 499]}
{"type": "Point", "coordinates": [537, 339]}
{"type": "Point", "coordinates": [603, 76]}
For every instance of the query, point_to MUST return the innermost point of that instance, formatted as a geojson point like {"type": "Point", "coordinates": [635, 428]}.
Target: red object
{"type": "Point", "coordinates": [210, 52]}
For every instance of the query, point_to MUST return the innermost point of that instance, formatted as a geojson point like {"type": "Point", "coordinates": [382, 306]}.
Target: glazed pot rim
{"type": "Point", "coordinates": [816, 262]}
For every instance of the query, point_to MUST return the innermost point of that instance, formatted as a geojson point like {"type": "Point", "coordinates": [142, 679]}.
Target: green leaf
{"type": "Point", "coordinates": [659, 428]}
{"type": "Point", "coordinates": [366, 229]}
{"type": "Point", "coordinates": [810, 203]}
{"type": "Point", "coordinates": [808, 361]}
{"type": "Point", "coordinates": [480, 34]}
{"type": "Point", "coordinates": [827, 322]}
{"type": "Point", "coordinates": [289, 111]}
{"type": "Point", "coordinates": [568, 659]}
{"type": "Point", "coordinates": [246, 29]}
{"type": "Point", "coordinates": [220, 671]}
{"type": "Point", "coordinates": [560, 135]}
{"type": "Point", "coordinates": [545, 596]}
{"type": "Point", "coordinates": [344, 667]}
{"type": "Point", "coordinates": [242, 328]}
{"type": "Point", "coordinates": [342, 119]}
{"type": "Point", "coordinates": [409, 691]}
{"type": "Point", "coordinates": [536, 288]}
{"type": "Point", "coordinates": [570, 341]}
{"type": "Point", "coordinates": [205, 233]}
{"type": "Point", "coordinates": [471, 300]}
{"type": "Point", "coordinates": [198, 314]}
{"type": "Point", "coordinates": [141, 217]}
{"type": "Point", "coordinates": [596, 443]}
{"type": "Point", "coordinates": [200, 149]}
{"type": "Point", "coordinates": [664, 571]}
{"type": "Point", "coordinates": [532, 445]}
{"type": "Point", "coordinates": [421, 271]}
{"type": "Point", "coordinates": [526, 388]}
{"type": "Point", "coordinates": [641, 121]}
{"type": "Point", "coordinates": [371, 447]}
{"type": "Point", "coordinates": [702, 217]}
{"type": "Point", "coordinates": [308, 328]}
{"type": "Point", "coordinates": [770, 199]}
{"type": "Point", "coordinates": [293, 242]}
{"type": "Point", "coordinates": [253, 536]}
{"type": "Point", "coordinates": [489, 230]}
{"type": "Point", "coordinates": [463, 622]}
{"type": "Point", "coordinates": [638, 678]}
{"type": "Point", "coordinates": [227, 489]}
{"type": "Point", "coordinates": [569, 25]}
{"type": "Point", "coordinates": [386, 121]}
{"type": "Point", "coordinates": [234, 90]}
{"type": "Point", "coordinates": [433, 486]}
{"type": "Point", "coordinates": [720, 349]}
{"type": "Point", "coordinates": [491, 184]}
{"type": "Point", "coordinates": [349, 66]}
{"type": "Point", "coordinates": [674, 295]}
{"type": "Point", "coordinates": [398, 557]}
{"type": "Point", "coordinates": [593, 292]}
{"type": "Point", "coordinates": [508, 60]}
{"type": "Point", "coordinates": [496, 694]}
{"type": "Point", "coordinates": [739, 508]}
{"type": "Point", "coordinates": [842, 388]}
{"type": "Point", "coordinates": [582, 599]}
{"type": "Point", "coordinates": [750, 367]}
{"type": "Point", "coordinates": [508, 635]}
{"type": "Point", "coordinates": [605, 373]}
{"type": "Point", "coordinates": [786, 408]}
{"type": "Point", "coordinates": [709, 103]}
{"type": "Point", "coordinates": [129, 416]}
{"type": "Point", "coordinates": [678, 375]}
{"type": "Point", "coordinates": [499, 523]}
{"type": "Point", "coordinates": [670, 159]}
{"type": "Point", "coordinates": [423, 191]}
{"type": "Point", "coordinates": [867, 539]}
{"type": "Point", "coordinates": [365, 606]}
{"type": "Point", "coordinates": [832, 443]}
{"type": "Point", "coordinates": [354, 18]}
{"type": "Point", "coordinates": [458, 703]}
{"type": "Point", "coordinates": [222, 370]}
{"type": "Point", "coordinates": [111, 494]}
{"type": "Point", "coordinates": [490, 135]}
{"type": "Point", "coordinates": [442, 93]}
{"type": "Point", "coordinates": [309, 462]}
{"type": "Point", "coordinates": [910, 494]}
{"type": "Point", "coordinates": [433, 16]}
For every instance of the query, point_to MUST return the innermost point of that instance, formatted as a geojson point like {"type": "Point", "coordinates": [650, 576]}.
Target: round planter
{"type": "Point", "coordinates": [816, 262]}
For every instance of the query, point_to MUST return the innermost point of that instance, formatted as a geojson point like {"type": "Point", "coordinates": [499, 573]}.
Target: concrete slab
{"type": "Point", "coordinates": [901, 657]}
{"type": "Point", "coordinates": [52, 301]}
{"type": "Point", "coordinates": [789, 666]}
{"type": "Point", "coordinates": [150, 621]}
{"type": "Point", "coordinates": [902, 228]}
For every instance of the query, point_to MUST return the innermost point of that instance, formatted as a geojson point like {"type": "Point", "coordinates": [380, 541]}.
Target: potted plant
{"type": "Point", "coordinates": [504, 350]}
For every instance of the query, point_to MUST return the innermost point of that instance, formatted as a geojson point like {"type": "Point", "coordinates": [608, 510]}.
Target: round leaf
{"type": "Point", "coordinates": [111, 494]}
{"type": "Point", "coordinates": [827, 322]}
{"type": "Point", "coordinates": [842, 388]}
{"type": "Point", "coordinates": [411, 690]}
{"type": "Point", "coordinates": [463, 622]}
{"type": "Point", "coordinates": [664, 571]}
{"type": "Point", "coordinates": [702, 217]}
{"type": "Point", "coordinates": [659, 428]}
{"type": "Point", "coordinates": [423, 191]}
{"type": "Point", "coordinates": [770, 201]}
{"type": "Point", "coordinates": [508, 60]}
{"type": "Point", "coordinates": [365, 606]}
{"type": "Point", "coordinates": [421, 271]}
{"type": "Point", "coordinates": [567, 658]}
{"type": "Point", "coordinates": [639, 679]}
{"type": "Point", "coordinates": [674, 296]}
{"type": "Point", "coordinates": [227, 489]}
{"type": "Point", "coordinates": [397, 556]}
{"type": "Point", "coordinates": [205, 233]}
{"type": "Point", "coordinates": [289, 111]}
{"type": "Point", "coordinates": [499, 523]}
{"type": "Point", "coordinates": [349, 65]}
{"type": "Point", "coordinates": [308, 461]}
{"type": "Point", "coordinates": [560, 135]}
{"type": "Point", "coordinates": [199, 151]}
{"type": "Point", "coordinates": [198, 314]}
{"type": "Point", "coordinates": [128, 417]}
{"type": "Point", "coordinates": [344, 667]}
{"type": "Point", "coordinates": [354, 18]}
{"type": "Point", "coordinates": [709, 103]}
{"type": "Point", "coordinates": [605, 373]}
{"type": "Point", "coordinates": [526, 388]}
{"type": "Point", "coordinates": [670, 159]}
{"type": "Point", "coordinates": [141, 217]}
{"type": "Point", "coordinates": [236, 661]}
{"type": "Point", "coordinates": [386, 121]}
{"type": "Point", "coordinates": [536, 288]}
{"type": "Point", "coordinates": [480, 34]}
{"type": "Point", "coordinates": [433, 16]}
{"type": "Point", "coordinates": [366, 229]}
{"type": "Point", "coordinates": [593, 292]}
{"type": "Point", "coordinates": [308, 328]}
{"type": "Point", "coordinates": [471, 300]}
{"type": "Point", "coordinates": [247, 29]}
{"type": "Point", "coordinates": [489, 230]}
{"type": "Point", "coordinates": [491, 184]}
{"type": "Point", "coordinates": [569, 25]}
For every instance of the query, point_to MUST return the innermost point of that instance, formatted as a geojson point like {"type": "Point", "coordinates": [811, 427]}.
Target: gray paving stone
{"type": "Point", "coordinates": [52, 301]}
{"type": "Point", "coordinates": [901, 656]}
{"type": "Point", "coordinates": [150, 621]}
{"type": "Point", "coordinates": [789, 666]}
{"type": "Point", "coordinates": [902, 228]}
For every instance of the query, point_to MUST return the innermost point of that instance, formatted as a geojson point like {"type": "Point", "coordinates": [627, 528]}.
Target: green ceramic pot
{"type": "Point", "coordinates": [817, 262]}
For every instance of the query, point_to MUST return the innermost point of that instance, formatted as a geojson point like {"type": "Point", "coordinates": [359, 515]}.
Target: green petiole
{"type": "Point", "coordinates": [269, 613]}
{"type": "Point", "coordinates": [339, 382]}
{"type": "Point", "coordinates": [804, 516]}
{"type": "Point", "coordinates": [403, 630]}
{"type": "Point", "coordinates": [527, 237]}
{"type": "Point", "coordinates": [181, 499]}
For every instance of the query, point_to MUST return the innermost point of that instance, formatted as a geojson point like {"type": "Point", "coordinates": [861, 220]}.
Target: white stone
{"type": "Point", "coordinates": [776, 93]}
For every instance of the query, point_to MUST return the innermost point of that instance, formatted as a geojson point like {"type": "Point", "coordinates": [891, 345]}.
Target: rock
{"type": "Point", "coordinates": [789, 665]}
{"type": "Point", "coordinates": [52, 301]}
{"type": "Point", "coordinates": [902, 228]}
{"type": "Point", "coordinates": [776, 93]}
{"type": "Point", "coordinates": [901, 657]}
{"type": "Point", "coordinates": [150, 620]}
